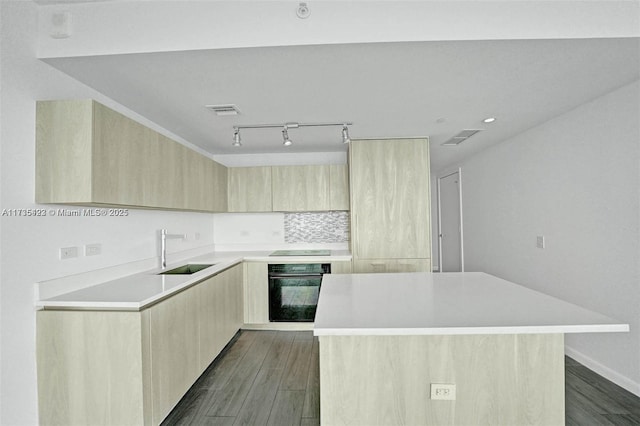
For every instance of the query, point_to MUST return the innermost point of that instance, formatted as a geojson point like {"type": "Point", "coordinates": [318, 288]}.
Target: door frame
{"type": "Point", "coordinates": [459, 171]}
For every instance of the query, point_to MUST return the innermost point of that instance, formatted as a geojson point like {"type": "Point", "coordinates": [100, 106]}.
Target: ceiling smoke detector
{"type": "Point", "coordinates": [222, 110]}
{"type": "Point", "coordinates": [303, 11]}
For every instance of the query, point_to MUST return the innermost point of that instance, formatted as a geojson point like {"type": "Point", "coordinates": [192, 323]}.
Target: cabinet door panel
{"type": "Point", "coordinates": [171, 177]}
{"type": "Point", "coordinates": [390, 192]}
{"type": "Point", "coordinates": [238, 294]}
{"type": "Point", "coordinates": [219, 187]}
{"type": "Point", "coordinates": [232, 303]}
{"type": "Point", "coordinates": [249, 189]}
{"type": "Point", "coordinates": [301, 188]}
{"type": "Point", "coordinates": [207, 294]}
{"type": "Point", "coordinates": [391, 265]}
{"type": "Point", "coordinates": [174, 335]}
{"type": "Point", "coordinates": [226, 308]}
{"type": "Point", "coordinates": [64, 132]}
{"type": "Point", "coordinates": [256, 293]}
{"type": "Point", "coordinates": [149, 163]}
{"type": "Point", "coordinates": [89, 368]}
{"type": "Point", "coordinates": [341, 267]}
{"type": "Point", "coordinates": [339, 191]}
{"type": "Point", "coordinates": [194, 180]}
{"type": "Point", "coordinates": [120, 158]}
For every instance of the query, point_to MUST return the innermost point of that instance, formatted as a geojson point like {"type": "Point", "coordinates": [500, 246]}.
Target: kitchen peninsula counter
{"type": "Point", "coordinates": [387, 339]}
{"type": "Point", "coordinates": [137, 291]}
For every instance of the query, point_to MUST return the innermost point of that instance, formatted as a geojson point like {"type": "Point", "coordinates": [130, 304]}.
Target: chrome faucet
{"type": "Point", "coordinates": [163, 245]}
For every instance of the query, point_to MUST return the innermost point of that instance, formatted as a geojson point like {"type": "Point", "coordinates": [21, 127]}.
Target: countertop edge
{"type": "Point", "coordinates": [551, 329]}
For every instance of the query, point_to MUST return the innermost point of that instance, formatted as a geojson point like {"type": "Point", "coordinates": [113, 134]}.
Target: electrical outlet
{"type": "Point", "coordinates": [540, 241]}
{"type": "Point", "coordinates": [68, 252]}
{"type": "Point", "coordinates": [92, 249]}
{"type": "Point", "coordinates": [444, 391]}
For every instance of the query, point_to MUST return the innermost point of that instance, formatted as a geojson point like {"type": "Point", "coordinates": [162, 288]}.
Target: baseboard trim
{"type": "Point", "coordinates": [280, 326]}
{"type": "Point", "coordinates": [604, 371]}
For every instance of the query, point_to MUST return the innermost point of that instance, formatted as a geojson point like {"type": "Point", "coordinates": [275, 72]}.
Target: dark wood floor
{"type": "Point", "coordinates": [591, 399]}
{"type": "Point", "coordinates": [272, 378]}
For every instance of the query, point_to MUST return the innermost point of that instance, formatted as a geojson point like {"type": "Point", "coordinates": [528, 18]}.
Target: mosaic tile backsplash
{"type": "Point", "coordinates": [316, 227]}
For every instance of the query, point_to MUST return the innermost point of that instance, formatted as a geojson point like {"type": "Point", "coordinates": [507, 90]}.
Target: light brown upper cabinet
{"type": "Point", "coordinates": [339, 182]}
{"type": "Point", "coordinates": [220, 187]}
{"type": "Point", "coordinates": [300, 188]}
{"type": "Point", "coordinates": [88, 154]}
{"type": "Point", "coordinates": [288, 188]}
{"type": "Point", "coordinates": [249, 189]}
{"type": "Point", "coordinates": [390, 200]}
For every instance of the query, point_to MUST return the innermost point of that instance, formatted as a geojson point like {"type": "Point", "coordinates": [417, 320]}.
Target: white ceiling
{"type": "Point", "coordinates": [385, 89]}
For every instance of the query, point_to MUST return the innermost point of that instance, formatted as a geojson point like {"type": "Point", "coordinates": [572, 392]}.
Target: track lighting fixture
{"type": "Point", "coordinates": [345, 134]}
{"type": "Point", "coordinates": [236, 138]}
{"type": "Point", "coordinates": [286, 141]}
{"type": "Point", "coordinates": [285, 137]}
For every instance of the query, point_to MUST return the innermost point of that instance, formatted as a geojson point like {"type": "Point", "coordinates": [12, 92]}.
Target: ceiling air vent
{"type": "Point", "coordinates": [222, 110]}
{"type": "Point", "coordinates": [461, 137]}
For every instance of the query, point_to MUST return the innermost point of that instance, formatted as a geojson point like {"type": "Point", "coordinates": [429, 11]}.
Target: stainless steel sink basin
{"type": "Point", "coordinates": [186, 269]}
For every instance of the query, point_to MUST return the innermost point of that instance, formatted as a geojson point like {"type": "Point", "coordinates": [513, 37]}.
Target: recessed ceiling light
{"type": "Point", "coordinates": [489, 120]}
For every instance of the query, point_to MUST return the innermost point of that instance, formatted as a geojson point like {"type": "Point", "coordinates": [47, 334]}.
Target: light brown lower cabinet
{"type": "Point", "coordinates": [173, 349]}
{"type": "Point", "coordinates": [500, 379]}
{"type": "Point", "coordinates": [341, 267]}
{"type": "Point", "coordinates": [117, 367]}
{"type": "Point", "coordinates": [256, 293]}
{"type": "Point", "coordinates": [220, 312]}
{"type": "Point", "coordinates": [391, 265]}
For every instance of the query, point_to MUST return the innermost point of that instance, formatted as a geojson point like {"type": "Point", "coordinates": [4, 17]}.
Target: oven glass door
{"type": "Point", "coordinates": [293, 298]}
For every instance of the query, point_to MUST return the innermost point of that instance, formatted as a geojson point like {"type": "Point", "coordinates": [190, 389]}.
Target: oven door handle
{"type": "Point", "coordinates": [295, 275]}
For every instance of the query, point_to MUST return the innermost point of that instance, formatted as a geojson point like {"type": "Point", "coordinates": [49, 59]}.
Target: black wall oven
{"type": "Point", "coordinates": [294, 289]}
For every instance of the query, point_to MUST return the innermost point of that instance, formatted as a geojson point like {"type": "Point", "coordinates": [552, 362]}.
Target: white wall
{"type": "Point", "coordinates": [29, 246]}
{"type": "Point", "coordinates": [576, 181]}
{"type": "Point", "coordinates": [114, 27]}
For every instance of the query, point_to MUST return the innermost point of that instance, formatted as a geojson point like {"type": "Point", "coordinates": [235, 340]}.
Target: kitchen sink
{"type": "Point", "coordinates": [186, 269]}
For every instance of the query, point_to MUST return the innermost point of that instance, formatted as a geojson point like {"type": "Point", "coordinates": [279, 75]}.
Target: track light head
{"type": "Point", "coordinates": [285, 137]}
{"type": "Point", "coordinates": [236, 138]}
{"type": "Point", "coordinates": [345, 134]}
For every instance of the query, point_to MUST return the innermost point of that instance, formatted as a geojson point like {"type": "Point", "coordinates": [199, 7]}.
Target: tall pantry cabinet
{"type": "Point", "coordinates": [390, 205]}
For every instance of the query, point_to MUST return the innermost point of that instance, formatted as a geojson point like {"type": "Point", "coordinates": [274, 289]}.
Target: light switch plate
{"type": "Point", "coordinates": [444, 391]}
{"type": "Point", "coordinates": [540, 241]}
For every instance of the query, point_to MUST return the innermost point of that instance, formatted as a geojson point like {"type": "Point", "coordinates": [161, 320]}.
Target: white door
{"type": "Point", "coordinates": [450, 223]}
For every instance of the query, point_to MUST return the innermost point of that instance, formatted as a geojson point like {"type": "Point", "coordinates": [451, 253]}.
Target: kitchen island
{"type": "Point", "coordinates": [443, 349]}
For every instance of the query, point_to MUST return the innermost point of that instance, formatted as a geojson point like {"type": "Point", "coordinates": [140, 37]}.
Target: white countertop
{"type": "Point", "coordinates": [140, 290]}
{"type": "Point", "coordinates": [445, 303]}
